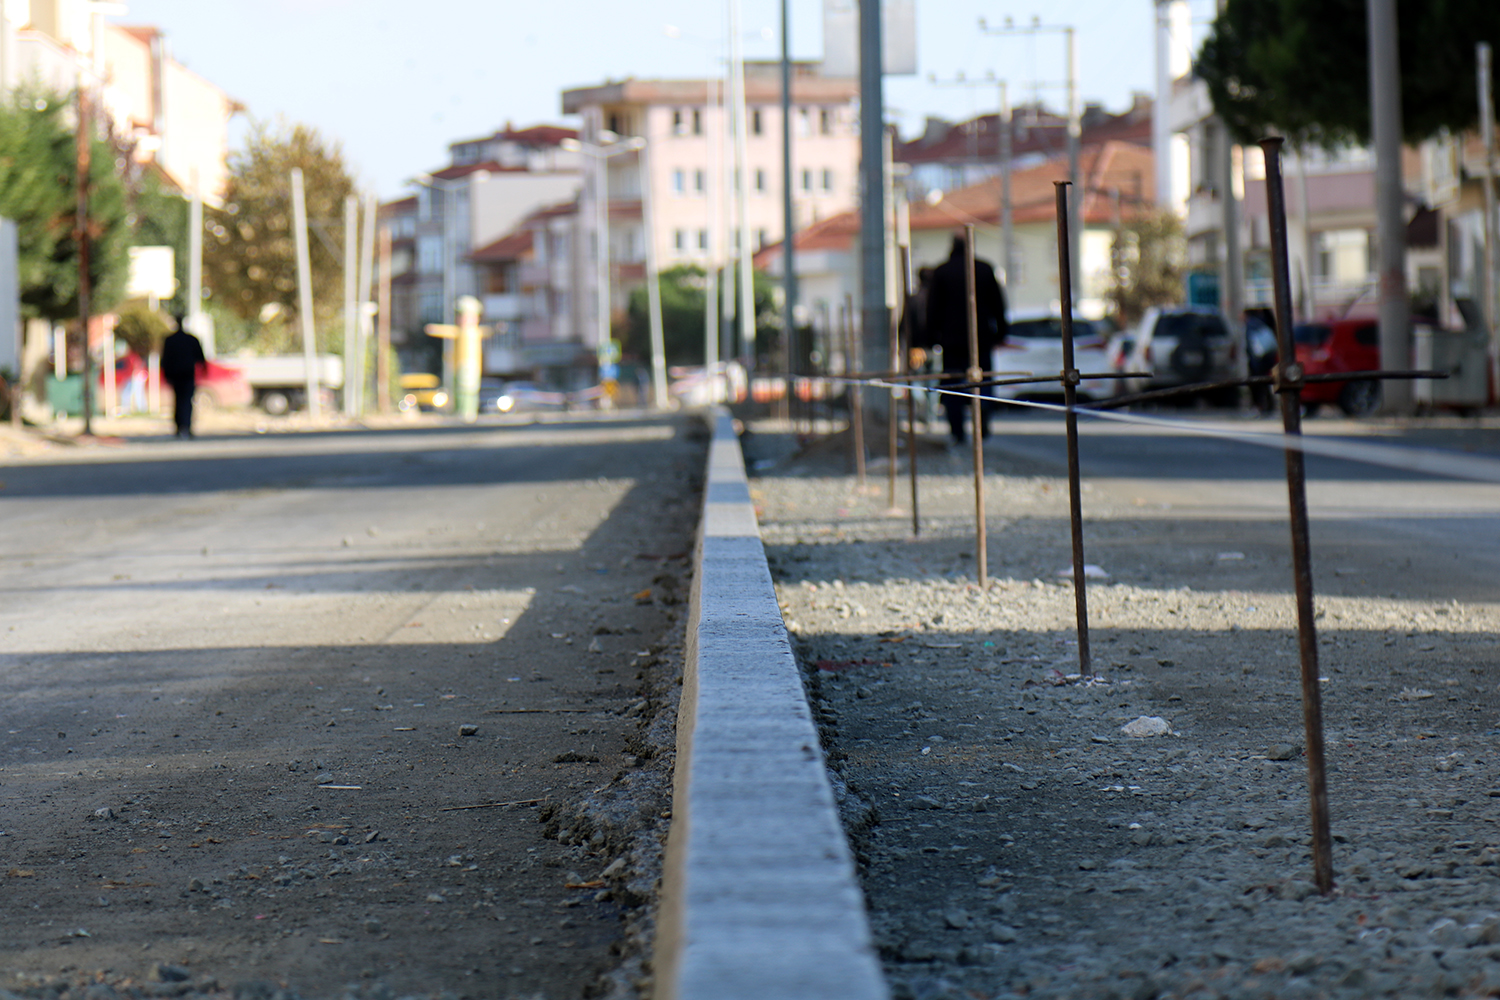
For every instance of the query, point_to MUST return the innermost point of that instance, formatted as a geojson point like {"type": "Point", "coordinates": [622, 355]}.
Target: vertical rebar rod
{"type": "Point", "coordinates": [890, 412]}
{"type": "Point", "coordinates": [904, 365]}
{"type": "Point", "coordinates": [1070, 398]}
{"type": "Point", "coordinates": [1289, 386]}
{"type": "Point", "coordinates": [975, 374]}
{"type": "Point", "coordinates": [855, 393]}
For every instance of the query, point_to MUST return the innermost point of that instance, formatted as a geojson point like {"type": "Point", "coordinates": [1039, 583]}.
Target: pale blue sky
{"type": "Point", "coordinates": [395, 81]}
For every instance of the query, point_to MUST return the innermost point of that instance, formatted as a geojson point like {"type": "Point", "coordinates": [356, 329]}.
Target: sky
{"type": "Point", "coordinates": [395, 81]}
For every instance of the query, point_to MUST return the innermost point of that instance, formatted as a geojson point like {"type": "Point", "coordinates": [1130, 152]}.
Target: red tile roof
{"type": "Point", "coordinates": [512, 246]}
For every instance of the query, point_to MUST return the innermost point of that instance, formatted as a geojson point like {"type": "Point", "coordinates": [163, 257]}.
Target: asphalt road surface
{"type": "Point", "coordinates": [1376, 531]}
{"type": "Point", "coordinates": [235, 684]}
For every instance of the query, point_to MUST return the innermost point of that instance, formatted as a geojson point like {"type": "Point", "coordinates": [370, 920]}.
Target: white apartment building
{"type": "Point", "coordinates": [689, 158]}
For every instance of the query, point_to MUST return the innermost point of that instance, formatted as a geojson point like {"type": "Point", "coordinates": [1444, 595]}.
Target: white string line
{"type": "Point", "coordinates": [1426, 461]}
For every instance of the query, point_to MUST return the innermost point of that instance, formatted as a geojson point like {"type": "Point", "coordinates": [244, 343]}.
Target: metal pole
{"type": "Point", "coordinates": [788, 209]}
{"type": "Point", "coordinates": [890, 412]}
{"type": "Point", "coordinates": [305, 295]}
{"type": "Point", "coordinates": [1007, 234]}
{"type": "Point", "coordinates": [742, 195]}
{"type": "Point", "coordinates": [601, 256]}
{"type": "Point", "coordinates": [853, 390]}
{"type": "Point", "coordinates": [1487, 137]}
{"type": "Point", "coordinates": [1288, 385]}
{"type": "Point", "coordinates": [195, 268]}
{"type": "Point", "coordinates": [904, 365]}
{"type": "Point", "coordinates": [383, 326]}
{"type": "Point", "coordinates": [1070, 398]}
{"type": "Point", "coordinates": [1234, 260]}
{"type": "Point", "coordinates": [1390, 223]}
{"type": "Point", "coordinates": [361, 326]}
{"type": "Point", "coordinates": [872, 267]}
{"type": "Point", "coordinates": [712, 181]}
{"type": "Point", "coordinates": [653, 285]}
{"type": "Point", "coordinates": [976, 414]}
{"type": "Point", "coordinates": [351, 305]}
{"type": "Point", "coordinates": [81, 235]}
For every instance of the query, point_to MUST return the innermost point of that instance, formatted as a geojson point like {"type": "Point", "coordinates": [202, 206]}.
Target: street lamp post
{"type": "Point", "coordinates": [600, 153]}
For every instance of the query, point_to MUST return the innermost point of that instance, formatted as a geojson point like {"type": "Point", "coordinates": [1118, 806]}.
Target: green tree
{"type": "Point", "coordinates": [1300, 68]}
{"type": "Point", "coordinates": [249, 250]}
{"type": "Point", "coordinates": [1148, 259]}
{"type": "Point", "coordinates": [682, 291]}
{"type": "Point", "coordinates": [38, 190]}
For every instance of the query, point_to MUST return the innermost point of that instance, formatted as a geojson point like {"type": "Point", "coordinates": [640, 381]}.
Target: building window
{"type": "Point", "coordinates": [756, 125]}
{"type": "Point", "coordinates": [430, 255]}
{"type": "Point", "coordinates": [679, 239]}
{"type": "Point", "coordinates": [807, 180]}
{"type": "Point", "coordinates": [697, 122]}
{"type": "Point", "coordinates": [825, 121]}
{"type": "Point", "coordinates": [803, 122]}
{"type": "Point", "coordinates": [703, 239]}
{"type": "Point", "coordinates": [760, 180]}
{"type": "Point", "coordinates": [679, 182]}
{"type": "Point", "coordinates": [760, 238]}
{"type": "Point", "coordinates": [827, 180]}
{"type": "Point", "coordinates": [677, 122]}
{"type": "Point", "coordinates": [700, 181]}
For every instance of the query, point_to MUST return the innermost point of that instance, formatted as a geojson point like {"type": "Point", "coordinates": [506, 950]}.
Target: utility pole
{"type": "Point", "coordinates": [383, 327]}
{"type": "Point", "coordinates": [872, 269]}
{"type": "Point", "coordinates": [788, 212]}
{"type": "Point", "coordinates": [1390, 223]}
{"type": "Point", "coordinates": [1233, 293]}
{"type": "Point", "coordinates": [304, 294]}
{"type": "Point", "coordinates": [81, 235]}
{"type": "Point", "coordinates": [742, 191]}
{"type": "Point", "coordinates": [366, 307]}
{"type": "Point", "coordinates": [659, 399]}
{"type": "Point", "coordinates": [351, 306]}
{"type": "Point", "coordinates": [713, 180]}
{"type": "Point", "coordinates": [1487, 136]}
{"type": "Point", "coordinates": [1002, 158]}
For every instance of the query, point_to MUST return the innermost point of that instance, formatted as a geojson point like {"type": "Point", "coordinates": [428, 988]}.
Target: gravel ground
{"type": "Point", "coordinates": [1014, 841]}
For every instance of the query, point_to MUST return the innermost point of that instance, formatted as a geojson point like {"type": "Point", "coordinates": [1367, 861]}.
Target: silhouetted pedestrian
{"type": "Point", "coordinates": [181, 357]}
{"type": "Point", "coordinates": [945, 323]}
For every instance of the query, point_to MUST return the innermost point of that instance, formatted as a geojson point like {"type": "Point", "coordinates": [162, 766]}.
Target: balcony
{"type": "Point", "coordinates": [507, 307]}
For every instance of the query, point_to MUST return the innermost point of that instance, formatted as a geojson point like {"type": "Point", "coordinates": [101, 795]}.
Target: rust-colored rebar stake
{"type": "Point", "coordinates": [1288, 376]}
{"type": "Point", "coordinates": [853, 391]}
{"type": "Point", "coordinates": [904, 365]}
{"type": "Point", "coordinates": [890, 415]}
{"type": "Point", "coordinates": [975, 375]}
{"type": "Point", "coordinates": [1070, 380]}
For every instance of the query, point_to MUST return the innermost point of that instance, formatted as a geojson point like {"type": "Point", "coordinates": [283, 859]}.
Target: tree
{"type": "Point", "coordinates": [682, 291]}
{"type": "Point", "coordinates": [249, 250]}
{"type": "Point", "coordinates": [1300, 68]}
{"type": "Point", "coordinates": [1148, 262]}
{"type": "Point", "coordinates": [38, 190]}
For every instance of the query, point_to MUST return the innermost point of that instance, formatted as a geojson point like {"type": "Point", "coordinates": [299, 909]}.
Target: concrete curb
{"type": "Point", "coordinates": [759, 896]}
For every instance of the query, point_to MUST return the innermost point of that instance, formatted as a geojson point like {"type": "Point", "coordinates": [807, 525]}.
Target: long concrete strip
{"type": "Point", "coordinates": [759, 896]}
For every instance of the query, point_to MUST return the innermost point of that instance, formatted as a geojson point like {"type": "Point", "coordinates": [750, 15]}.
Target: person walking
{"type": "Point", "coordinates": [945, 324]}
{"type": "Point", "coordinates": [181, 357]}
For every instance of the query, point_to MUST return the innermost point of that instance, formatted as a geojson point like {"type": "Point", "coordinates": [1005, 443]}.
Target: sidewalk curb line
{"type": "Point", "coordinates": [759, 896]}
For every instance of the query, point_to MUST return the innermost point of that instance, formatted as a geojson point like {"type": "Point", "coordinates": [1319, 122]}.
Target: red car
{"type": "Point", "coordinates": [220, 386]}
{"type": "Point", "coordinates": [1334, 346]}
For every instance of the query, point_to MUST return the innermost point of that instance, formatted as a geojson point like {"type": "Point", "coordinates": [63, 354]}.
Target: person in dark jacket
{"type": "Point", "coordinates": [945, 324]}
{"type": "Point", "coordinates": [181, 357]}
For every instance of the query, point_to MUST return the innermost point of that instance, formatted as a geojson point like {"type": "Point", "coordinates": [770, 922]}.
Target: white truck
{"type": "Point", "coordinates": [279, 382]}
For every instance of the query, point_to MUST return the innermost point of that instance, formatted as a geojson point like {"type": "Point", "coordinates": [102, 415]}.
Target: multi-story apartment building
{"type": "Point", "coordinates": [688, 158]}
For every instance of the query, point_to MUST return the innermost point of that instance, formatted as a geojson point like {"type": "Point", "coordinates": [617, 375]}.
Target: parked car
{"type": "Point", "coordinates": [220, 386]}
{"type": "Point", "coordinates": [1261, 351]}
{"type": "Point", "coordinates": [1035, 346]}
{"type": "Point", "coordinates": [1334, 346]}
{"type": "Point", "coordinates": [1178, 345]}
{"type": "Point", "coordinates": [422, 391]}
{"type": "Point", "coordinates": [515, 397]}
